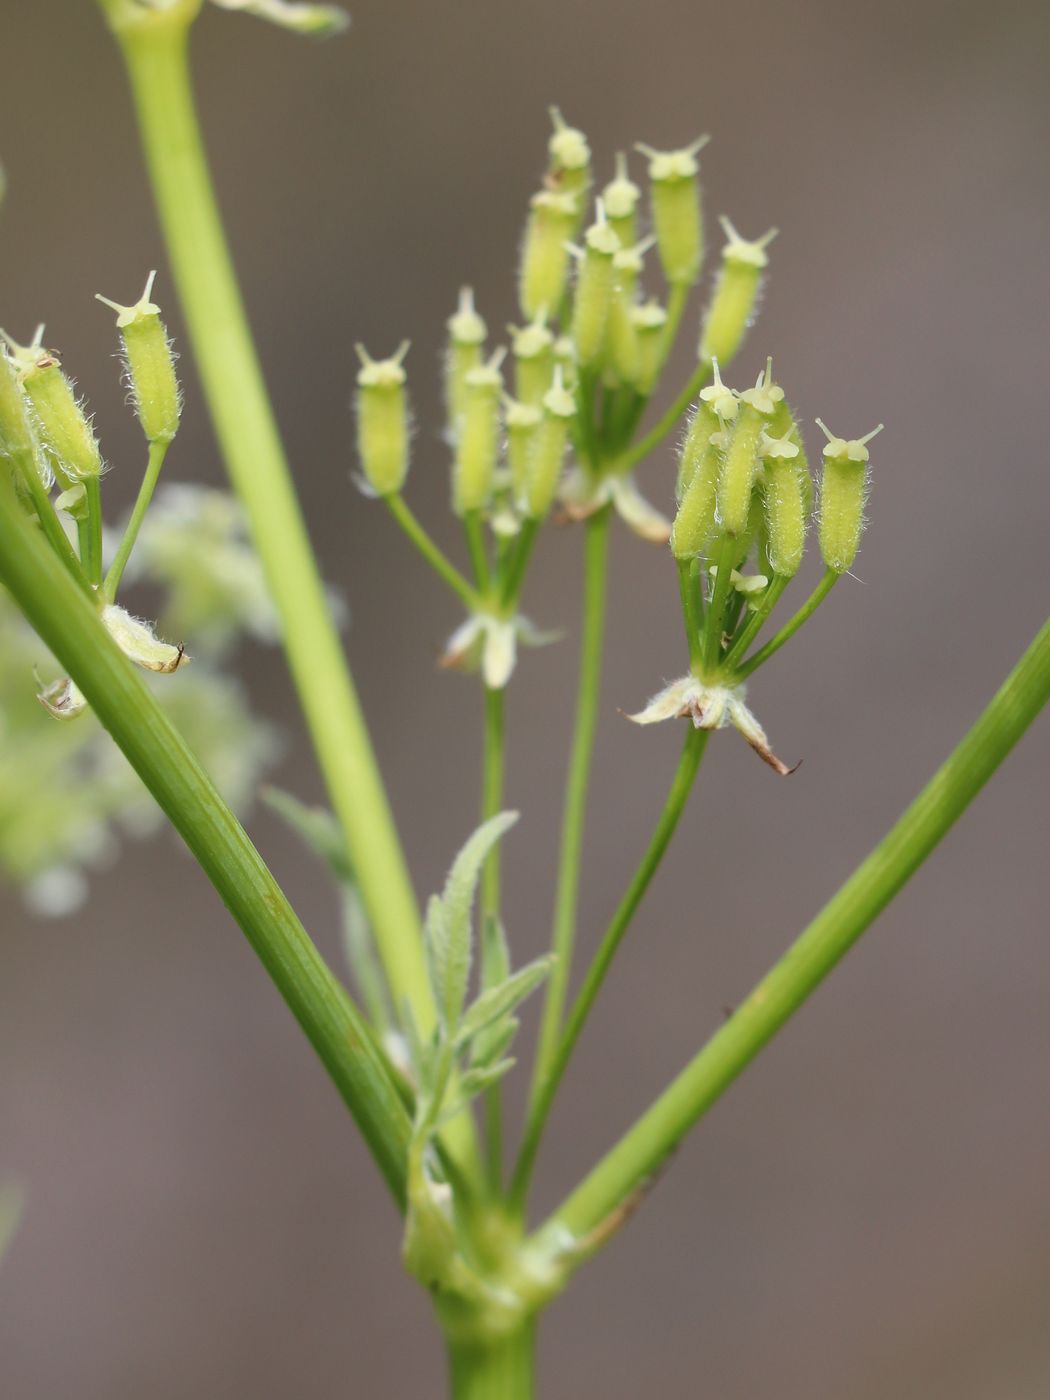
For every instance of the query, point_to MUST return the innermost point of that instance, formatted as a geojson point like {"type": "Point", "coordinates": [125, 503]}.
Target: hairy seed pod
{"type": "Point", "coordinates": [478, 443]}
{"type": "Point", "coordinates": [150, 365]}
{"type": "Point", "coordinates": [677, 220]}
{"type": "Point", "coordinates": [382, 421]}
{"type": "Point", "coordinates": [784, 502]}
{"type": "Point", "coordinates": [716, 408]}
{"type": "Point", "coordinates": [741, 464]}
{"type": "Point", "coordinates": [570, 161]}
{"type": "Point", "coordinates": [843, 493]}
{"type": "Point", "coordinates": [621, 197]}
{"type": "Point", "coordinates": [466, 337]}
{"type": "Point", "coordinates": [16, 432]}
{"type": "Point", "coordinates": [553, 218]}
{"type": "Point", "coordinates": [548, 454]}
{"type": "Point", "coordinates": [521, 421]}
{"type": "Point", "coordinates": [65, 430]}
{"type": "Point", "coordinates": [595, 282]}
{"type": "Point", "coordinates": [736, 294]}
{"type": "Point", "coordinates": [650, 322]}
{"type": "Point", "coordinates": [533, 349]}
{"type": "Point", "coordinates": [694, 523]}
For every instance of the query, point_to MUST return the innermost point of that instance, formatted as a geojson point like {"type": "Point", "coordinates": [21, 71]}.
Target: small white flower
{"type": "Point", "coordinates": [491, 644]}
{"type": "Point", "coordinates": [582, 496]}
{"type": "Point", "coordinates": [302, 19]}
{"type": "Point", "coordinates": [711, 707]}
{"type": "Point", "coordinates": [138, 642]}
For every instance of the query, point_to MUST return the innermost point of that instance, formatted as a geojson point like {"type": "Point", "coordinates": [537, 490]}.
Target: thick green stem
{"type": "Point", "coordinates": [594, 586]}
{"type": "Point", "coordinates": [115, 573]}
{"type": "Point", "coordinates": [69, 624]}
{"type": "Point", "coordinates": [681, 786]}
{"type": "Point", "coordinates": [502, 1369]}
{"type": "Point", "coordinates": [155, 48]}
{"type": "Point", "coordinates": [808, 961]}
{"type": "Point", "coordinates": [805, 612]}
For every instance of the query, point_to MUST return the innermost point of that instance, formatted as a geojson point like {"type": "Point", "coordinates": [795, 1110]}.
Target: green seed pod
{"type": "Point", "coordinates": [65, 430]}
{"type": "Point", "coordinates": [382, 421]}
{"type": "Point", "coordinates": [740, 469]}
{"type": "Point", "coordinates": [16, 431]}
{"type": "Point", "coordinates": [621, 197]}
{"type": "Point", "coordinates": [595, 283]}
{"type": "Point", "coordinates": [478, 442]}
{"type": "Point", "coordinates": [624, 363]}
{"type": "Point", "coordinates": [717, 407]}
{"type": "Point", "coordinates": [521, 421]}
{"type": "Point", "coordinates": [694, 523]}
{"type": "Point", "coordinates": [784, 502]}
{"type": "Point", "coordinates": [650, 322]}
{"type": "Point", "coordinates": [565, 359]}
{"type": "Point", "coordinates": [732, 307]}
{"type": "Point", "coordinates": [570, 160]}
{"type": "Point", "coordinates": [466, 336]}
{"type": "Point", "coordinates": [553, 219]}
{"type": "Point", "coordinates": [150, 365]}
{"type": "Point", "coordinates": [785, 424]}
{"type": "Point", "coordinates": [533, 349]}
{"type": "Point", "coordinates": [843, 492]}
{"type": "Point", "coordinates": [675, 196]}
{"type": "Point", "coordinates": [552, 436]}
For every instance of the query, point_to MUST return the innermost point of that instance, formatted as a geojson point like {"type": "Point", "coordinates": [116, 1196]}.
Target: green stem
{"type": "Point", "coordinates": [157, 62]}
{"type": "Point", "coordinates": [431, 552]}
{"type": "Point", "coordinates": [688, 585]}
{"type": "Point", "coordinates": [491, 804]}
{"type": "Point", "coordinates": [517, 564]}
{"type": "Point", "coordinates": [500, 1369]}
{"type": "Point", "coordinates": [69, 624]}
{"type": "Point", "coordinates": [676, 304]}
{"type": "Point", "coordinates": [669, 421]}
{"type": "Point", "coordinates": [48, 518]}
{"type": "Point", "coordinates": [596, 554]}
{"type": "Point", "coordinates": [805, 612]}
{"type": "Point", "coordinates": [808, 961]}
{"type": "Point", "coordinates": [473, 525]}
{"type": "Point", "coordinates": [756, 621]}
{"type": "Point", "coordinates": [89, 532]}
{"type": "Point", "coordinates": [715, 621]}
{"type": "Point", "coordinates": [681, 786]}
{"type": "Point", "coordinates": [157, 451]}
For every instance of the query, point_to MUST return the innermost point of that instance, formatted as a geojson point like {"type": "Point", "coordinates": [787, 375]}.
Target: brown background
{"type": "Point", "coordinates": [867, 1213]}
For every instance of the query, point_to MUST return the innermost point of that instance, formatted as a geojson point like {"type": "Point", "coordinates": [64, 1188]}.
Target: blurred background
{"type": "Point", "coordinates": [866, 1213]}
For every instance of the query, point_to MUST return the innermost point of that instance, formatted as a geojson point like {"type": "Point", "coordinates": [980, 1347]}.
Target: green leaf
{"type": "Point", "coordinates": [491, 1005]}
{"type": "Point", "coordinates": [474, 1082]}
{"type": "Point", "coordinates": [491, 1044]}
{"type": "Point", "coordinates": [449, 919]}
{"type": "Point", "coordinates": [495, 953]}
{"type": "Point", "coordinates": [316, 828]}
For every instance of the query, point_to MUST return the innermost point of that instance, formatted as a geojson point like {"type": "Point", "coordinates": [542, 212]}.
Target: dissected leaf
{"type": "Point", "coordinates": [494, 1041]}
{"type": "Point", "coordinates": [495, 953]}
{"type": "Point", "coordinates": [474, 1082]}
{"type": "Point", "coordinates": [491, 1005]}
{"type": "Point", "coordinates": [449, 919]}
